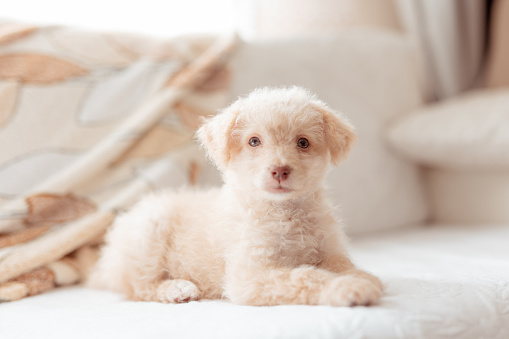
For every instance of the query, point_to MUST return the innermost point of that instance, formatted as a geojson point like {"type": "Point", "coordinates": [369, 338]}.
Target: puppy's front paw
{"type": "Point", "coordinates": [351, 291]}
{"type": "Point", "coordinates": [177, 291]}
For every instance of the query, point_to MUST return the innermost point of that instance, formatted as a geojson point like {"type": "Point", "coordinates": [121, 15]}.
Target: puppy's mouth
{"type": "Point", "coordinates": [279, 189]}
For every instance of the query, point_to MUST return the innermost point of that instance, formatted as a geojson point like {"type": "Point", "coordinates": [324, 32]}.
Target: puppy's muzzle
{"type": "Point", "coordinates": [280, 173]}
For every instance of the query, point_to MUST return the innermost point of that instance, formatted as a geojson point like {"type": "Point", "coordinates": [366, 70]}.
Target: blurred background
{"type": "Point", "coordinates": [454, 35]}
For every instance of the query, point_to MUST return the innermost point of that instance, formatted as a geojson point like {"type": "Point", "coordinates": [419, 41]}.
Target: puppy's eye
{"type": "Point", "coordinates": [254, 141]}
{"type": "Point", "coordinates": [303, 143]}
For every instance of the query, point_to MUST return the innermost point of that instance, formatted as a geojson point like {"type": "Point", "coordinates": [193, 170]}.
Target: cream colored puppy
{"type": "Point", "coordinates": [267, 237]}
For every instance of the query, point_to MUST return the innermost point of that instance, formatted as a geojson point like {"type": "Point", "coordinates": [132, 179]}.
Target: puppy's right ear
{"type": "Point", "coordinates": [339, 133]}
{"type": "Point", "coordinates": [219, 135]}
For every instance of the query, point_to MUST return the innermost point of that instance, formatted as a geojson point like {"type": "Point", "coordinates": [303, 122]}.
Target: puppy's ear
{"type": "Point", "coordinates": [339, 133]}
{"type": "Point", "coordinates": [219, 135]}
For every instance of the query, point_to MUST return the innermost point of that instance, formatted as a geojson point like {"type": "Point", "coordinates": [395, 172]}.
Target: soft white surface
{"type": "Point", "coordinates": [370, 76]}
{"type": "Point", "coordinates": [441, 282]}
{"type": "Point", "coordinates": [470, 131]}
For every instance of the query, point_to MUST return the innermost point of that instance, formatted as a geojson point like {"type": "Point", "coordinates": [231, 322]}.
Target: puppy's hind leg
{"type": "Point", "coordinates": [151, 280]}
{"type": "Point", "coordinates": [136, 260]}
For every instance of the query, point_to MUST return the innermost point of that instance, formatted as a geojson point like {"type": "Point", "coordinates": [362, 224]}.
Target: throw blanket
{"type": "Point", "coordinates": [88, 123]}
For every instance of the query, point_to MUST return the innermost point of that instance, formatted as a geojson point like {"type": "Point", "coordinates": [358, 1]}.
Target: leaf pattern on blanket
{"type": "Point", "coordinates": [190, 116]}
{"type": "Point", "coordinates": [218, 80]}
{"type": "Point", "coordinates": [18, 175]}
{"type": "Point", "coordinates": [50, 209]}
{"type": "Point", "coordinates": [116, 96]}
{"type": "Point", "coordinates": [39, 280]}
{"type": "Point", "coordinates": [22, 236]}
{"type": "Point", "coordinates": [37, 68]}
{"type": "Point", "coordinates": [67, 100]}
{"type": "Point", "coordinates": [90, 48]}
{"type": "Point", "coordinates": [159, 140]}
{"type": "Point", "coordinates": [12, 31]}
{"type": "Point", "coordinates": [8, 97]}
{"type": "Point", "coordinates": [136, 46]}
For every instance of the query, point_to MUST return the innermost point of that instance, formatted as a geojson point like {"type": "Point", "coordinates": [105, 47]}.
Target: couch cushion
{"type": "Point", "coordinates": [470, 131]}
{"type": "Point", "coordinates": [440, 282]}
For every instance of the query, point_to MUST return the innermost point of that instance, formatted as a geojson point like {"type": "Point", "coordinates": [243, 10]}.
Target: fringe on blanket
{"type": "Point", "coordinates": [88, 123]}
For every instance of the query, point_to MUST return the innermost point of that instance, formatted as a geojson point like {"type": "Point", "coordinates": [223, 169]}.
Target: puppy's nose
{"type": "Point", "coordinates": [280, 173]}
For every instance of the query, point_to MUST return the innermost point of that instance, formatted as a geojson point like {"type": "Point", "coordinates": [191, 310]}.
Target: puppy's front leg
{"type": "Point", "coordinates": [263, 286]}
{"type": "Point", "coordinates": [356, 286]}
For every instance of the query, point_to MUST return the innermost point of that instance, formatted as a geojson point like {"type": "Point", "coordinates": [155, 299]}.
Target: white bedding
{"type": "Point", "coordinates": [441, 282]}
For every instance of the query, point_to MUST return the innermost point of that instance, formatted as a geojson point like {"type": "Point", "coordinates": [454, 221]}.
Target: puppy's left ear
{"type": "Point", "coordinates": [218, 135]}
{"type": "Point", "coordinates": [339, 133]}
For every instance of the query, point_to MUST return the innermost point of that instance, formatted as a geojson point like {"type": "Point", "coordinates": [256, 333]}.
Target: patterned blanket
{"type": "Point", "coordinates": [88, 122]}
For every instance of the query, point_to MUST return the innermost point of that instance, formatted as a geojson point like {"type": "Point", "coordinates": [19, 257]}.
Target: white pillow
{"type": "Point", "coordinates": [470, 131]}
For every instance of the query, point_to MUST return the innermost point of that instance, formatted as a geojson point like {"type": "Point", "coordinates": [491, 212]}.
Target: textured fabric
{"type": "Point", "coordinates": [470, 131]}
{"type": "Point", "coordinates": [441, 282]}
{"type": "Point", "coordinates": [88, 122]}
{"type": "Point", "coordinates": [371, 77]}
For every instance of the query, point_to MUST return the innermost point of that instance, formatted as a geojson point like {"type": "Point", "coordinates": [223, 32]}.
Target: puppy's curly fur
{"type": "Point", "coordinates": [267, 236]}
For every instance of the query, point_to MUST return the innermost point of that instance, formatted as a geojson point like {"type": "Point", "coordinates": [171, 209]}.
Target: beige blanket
{"type": "Point", "coordinates": [89, 122]}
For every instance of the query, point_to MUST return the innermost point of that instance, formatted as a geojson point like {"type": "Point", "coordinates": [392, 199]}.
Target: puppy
{"type": "Point", "coordinates": [267, 236]}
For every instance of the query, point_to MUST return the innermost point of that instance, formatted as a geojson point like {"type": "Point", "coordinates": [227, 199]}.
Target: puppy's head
{"type": "Point", "coordinates": [276, 143]}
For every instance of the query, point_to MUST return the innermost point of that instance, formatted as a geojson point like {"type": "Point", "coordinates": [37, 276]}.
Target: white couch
{"type": "Point", "coordinates": [441, 280]}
